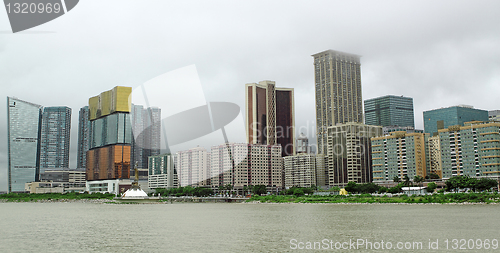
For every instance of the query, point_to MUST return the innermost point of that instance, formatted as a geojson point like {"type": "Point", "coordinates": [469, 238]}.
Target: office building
{"type": "Point", "coordinates": [305, 170]}
{"type": "Point", "coordinates": [55, 138]}
{"type": "Point", "coordinates": [398, 155]}
{"type": "Point", "coordinates": [349, 153]}
{"type": "Point", "coordinates": [471, 150]}
{"type": "Point", "coordinates": [162, 173]}
{"type": "Point", "coordinates": [242, 165]}
{"type": "Point", "coordinates": [23, 143]}
{"type": "Point", "coordinates": [193, 167]}
{"type": "Point", "coordinates": [110, 135]}
{"type": "Point", "coordinates": [146, 127]}
{"type": "Point", "coordinates": [389, 110]}
{"type": "Point", "coordinates": [337, 79]}
{"type": "Point", "coordinates": [270, 116]}
{"type": "Point", "coordinates": [435, 120]}
{"type": "Point", "coordinates": [83, 137]}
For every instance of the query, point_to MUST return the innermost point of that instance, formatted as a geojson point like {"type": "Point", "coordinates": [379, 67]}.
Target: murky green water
{"type": "Point", "coordinates": [207, 227]}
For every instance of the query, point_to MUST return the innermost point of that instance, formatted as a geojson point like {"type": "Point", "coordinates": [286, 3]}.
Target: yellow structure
{"type": "Point", "coordinates": [117, 99]}
{"type": "Point", "coordinates": [343, 192]}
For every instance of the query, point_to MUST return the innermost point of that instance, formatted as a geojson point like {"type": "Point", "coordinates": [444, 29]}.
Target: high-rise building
{"type": "Point", "coordinates": [270, 116]}
{"type": "Point", "coordinates": [302, 144]}
{"type": "Point", "coordinates": [435, 120]}
{"type": "Point", "coordinates": [242, 165]}
{"type": "Point", "coordinates": [398, 155]}
{"type": "Point", "coordinates": [304, 170]}
{"type": "Point", "coordinates": [83, 137]}
{"type": "Point", "coordinates": [193, 167]}
{"type": "Point", "coordinates": [23, 141]}
{"type": "Point", "coordinates": [110, 135]}
{"type": "Point", "coordinates": [349, 153]}
{"type": "Point", "coordinates": [471, 150]}
{"type": "Point", "coordinates": [434, 160]}
{"type": "Point", "coordinates": [337, 79]}
{"type": "Point", "coordinates": [389, 111]}
{"type": "Point", "coordinates": [161, 172]}
{"type": "Point", "coordinates": [55, 137]}
{"type": "Point", "coordinates": [146, 127]}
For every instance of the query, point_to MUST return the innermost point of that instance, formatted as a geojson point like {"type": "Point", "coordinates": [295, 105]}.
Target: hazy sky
{"type": "Point", "coordinates": [440, 53]}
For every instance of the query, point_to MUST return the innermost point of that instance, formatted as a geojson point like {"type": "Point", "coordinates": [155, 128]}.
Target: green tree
{"type": "Point", "coordinates": [259, 189]}
{"type": "Point", "coordinates": [431, 187]}
{"type": "Point", "coordinates": [334, 189]}
{"type": "Point", "coordinates": [396, 179]}
{"type": "Point", "coordinates": [351, 187]}
{"type": "Point", "coordinates": [406, 180]}
{"type": "Point", "coordinates": [454, 183]}
{"type": "Point", "coordinates": [382, 189]}
{"type": "Point", "coordinates": [433, 176]}
{"type": "Point", "coordinates": [418, 180]}
{"type": "Point", "coordinates": [298, 192]}
{"type": "Point", "coordinates": [484, 184]}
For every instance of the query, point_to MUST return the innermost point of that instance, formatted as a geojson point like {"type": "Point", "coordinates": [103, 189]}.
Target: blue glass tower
{"type": "Point", "coordinates": [442, 118]}
{"type": "Point", "coordinates": [389, 111]}
{"type": "Point", "coordinates": [23, 131]}
{"type": "Point", "coordinates": [55, 137]}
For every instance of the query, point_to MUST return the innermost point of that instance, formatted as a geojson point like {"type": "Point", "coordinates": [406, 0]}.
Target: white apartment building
{"type": "Point", "coordinates": [242, 165]}
{"type": "Point", "coordinates": [193, 167]}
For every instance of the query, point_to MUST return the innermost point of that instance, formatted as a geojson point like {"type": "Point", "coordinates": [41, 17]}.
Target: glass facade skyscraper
{"type": "Point", "coordinates": [23, 130]}
{"type": "Point", "coordinates": [146, 127]}
{"type": "Point", "coordinates": [83, 137]}
{"type": "Point", "coordinates": [435, 120]}
{"type": "Point", "coordinates": [109, 151]}
{"type": "Point", "coordinates": [55, 137]}
{"type": "Point", "coordinates": [389, 111]}
{"type": "Point", "coordinates": [337, 80]}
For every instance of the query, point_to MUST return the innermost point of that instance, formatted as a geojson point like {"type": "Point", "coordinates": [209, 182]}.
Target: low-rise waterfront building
{"type": "Point", "coordinates": [162, 173]}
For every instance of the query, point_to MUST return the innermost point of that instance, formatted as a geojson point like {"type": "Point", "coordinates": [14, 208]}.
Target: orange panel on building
{"type": "Point", "coordinates": [110, 162]}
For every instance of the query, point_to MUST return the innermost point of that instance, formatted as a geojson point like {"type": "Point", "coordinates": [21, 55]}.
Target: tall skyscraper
{"type": "Point", "coordinates": [349, 153]}
{"type": "Point", "coordinates": [83, 137]}
{"type": "Point", "coordinates": [146, 127]}
{"type": "Point", "coordinates": [442, 118]}
{"type": "Point", "coordinates": [23, 131]}
{"type": "Point", "coordinates": [270, 116]}
{"type": "Point", "coordinates": [337, 77]}
{"type": "Point", "coordinates": [110, 135]}
{"type": "Point", "coordinates": [55, 137]}
{"type": "Point", "coordinates": [389, 111]}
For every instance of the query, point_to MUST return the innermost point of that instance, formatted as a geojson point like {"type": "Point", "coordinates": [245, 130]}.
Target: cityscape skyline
{"type": "Point", "coordinates": [437, 57]}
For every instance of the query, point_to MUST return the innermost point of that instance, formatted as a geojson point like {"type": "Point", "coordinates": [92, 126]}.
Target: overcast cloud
{"type": "Point", "coordinates": [440, 53]}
